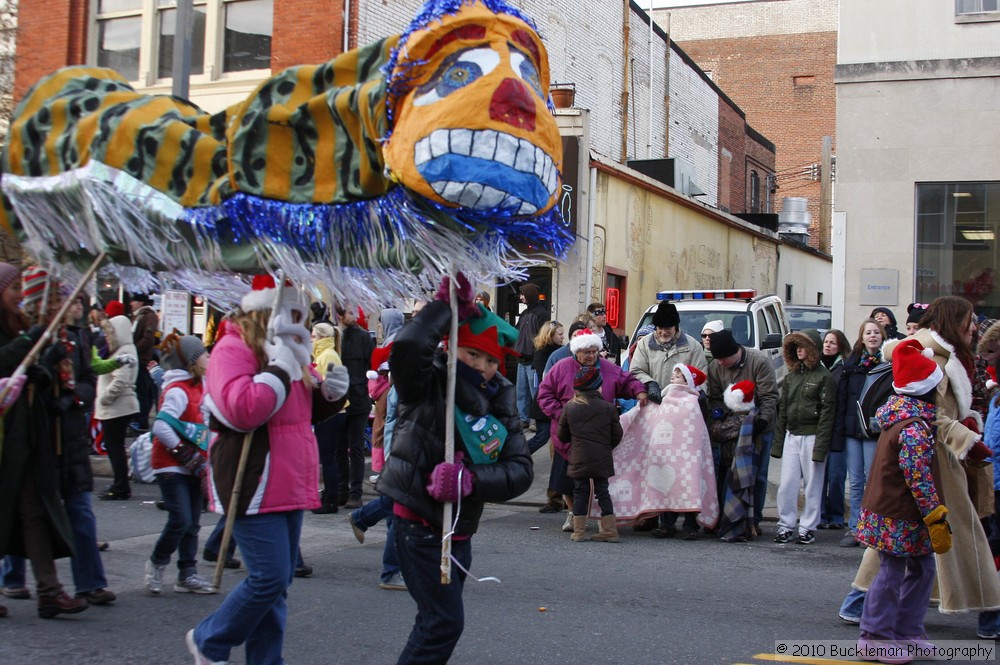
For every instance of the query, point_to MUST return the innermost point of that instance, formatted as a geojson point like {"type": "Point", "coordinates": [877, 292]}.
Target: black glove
{"type": "Point", "coordinates": [38, 376]}
{"type": "Point", "coordinates": [35, 332]}
{"type": "Point", "coordinates": [653, 392]}
{"type": "Point", "coordinates": [759, 426]}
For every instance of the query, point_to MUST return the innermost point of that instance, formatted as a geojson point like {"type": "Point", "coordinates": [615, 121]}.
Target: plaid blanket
{"type": "Point", "coordinates": [737, 510]}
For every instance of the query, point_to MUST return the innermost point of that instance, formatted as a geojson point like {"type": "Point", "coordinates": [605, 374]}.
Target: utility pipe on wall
{"type": "Point", "coordinates": [649, 135]}
{"type": "Point", "coordinates": [625, 79]}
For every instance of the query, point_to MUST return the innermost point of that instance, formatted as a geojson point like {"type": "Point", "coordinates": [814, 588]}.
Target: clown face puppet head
{"type": "Point", "coordinates": [471, 127]}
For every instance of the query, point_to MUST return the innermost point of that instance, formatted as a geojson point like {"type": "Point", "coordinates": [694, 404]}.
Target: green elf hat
{"type": "Point", "coordinates": [488, 333]}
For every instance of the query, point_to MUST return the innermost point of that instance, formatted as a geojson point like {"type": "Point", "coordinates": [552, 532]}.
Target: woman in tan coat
{"type": "Point", "coordinates": [966, 575]}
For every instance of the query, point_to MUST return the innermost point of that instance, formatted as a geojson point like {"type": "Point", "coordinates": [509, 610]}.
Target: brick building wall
{"type": "Point", "coordinates": [50, 34]}
{"type": "Point", "coordinates": [314, 34]}
{"type": "Point", "coordinates": [776, 60]}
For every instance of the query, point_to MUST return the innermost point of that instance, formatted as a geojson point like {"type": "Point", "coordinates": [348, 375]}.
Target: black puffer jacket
{"type": "Point", "coordinates": [852, 381]}
{"type": "Point", "coordinates": [356, 353]}
{"type": "Point", "coordinates": [419, 372]}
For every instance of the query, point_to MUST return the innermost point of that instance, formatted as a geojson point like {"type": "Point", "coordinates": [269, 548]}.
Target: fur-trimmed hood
{"type": "Point", "coordinates": [989, 338]}
{"type": "Point", "coordinates": [808, 340]}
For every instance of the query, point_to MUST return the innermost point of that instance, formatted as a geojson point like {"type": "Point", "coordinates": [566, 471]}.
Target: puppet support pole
{"type": "Point", "coordinates": [449, 428]}
{"type": "Point", "coordinates": [241, 467]}
{"type": "Point", "coordinates": [53, 325]}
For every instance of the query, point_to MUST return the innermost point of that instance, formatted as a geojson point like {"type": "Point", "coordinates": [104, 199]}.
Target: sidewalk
{"type": "Point", "coordinates": [535, 496]}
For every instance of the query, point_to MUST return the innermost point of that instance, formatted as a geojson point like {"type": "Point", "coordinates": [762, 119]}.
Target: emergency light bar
{"type": "Point", "coordinates": [741, 294]}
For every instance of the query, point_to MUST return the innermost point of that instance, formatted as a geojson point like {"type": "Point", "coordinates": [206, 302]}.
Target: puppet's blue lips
{"type": "Point", "coordinates": [485, 170]}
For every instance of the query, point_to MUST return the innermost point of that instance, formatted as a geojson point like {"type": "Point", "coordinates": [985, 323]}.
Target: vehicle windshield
{"type": "Point", "coordinates": [801, 319]}
{"type": "Point", "coordinates": [693, 322]}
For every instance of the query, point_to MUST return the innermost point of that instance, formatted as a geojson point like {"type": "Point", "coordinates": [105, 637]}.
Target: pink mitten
{"type": "Point", "coordinates": [467, 307]}
{"type": "Point", "coordinates": [444, 485]}
{"type": "Point", "coordinates": [13, 393]}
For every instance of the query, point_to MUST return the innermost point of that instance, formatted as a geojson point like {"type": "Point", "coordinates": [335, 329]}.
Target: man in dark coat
{"type": "Point", "coordinates": [356, 348]}
{"type": "Point", "coordinates": [145, 326]}
{"type": "Point", "coordinates": [531, 321]}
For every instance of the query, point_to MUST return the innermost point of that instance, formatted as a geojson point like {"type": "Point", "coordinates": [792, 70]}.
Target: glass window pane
{"type": "Point", "coordinates": [105, 6]}
{"type": "Point", "coordinates": [168, 27]}
{"type": "Point", "coordinates": [930, 198]}
{"type": "Point", "coordinates": [118, 45]}
{"type": "Point", "coordinates": [247, 43]}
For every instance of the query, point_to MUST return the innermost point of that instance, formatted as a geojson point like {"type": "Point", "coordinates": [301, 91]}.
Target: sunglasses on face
{"type": "Point", "coordinates": [600, 312]}
{"type": "Point", "coordinates": [704, 336]}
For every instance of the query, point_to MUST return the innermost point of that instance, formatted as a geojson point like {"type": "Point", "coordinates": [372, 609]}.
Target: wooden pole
{"type": "Point", "coordinates": [449, 428]}
{"type": "Point", "coordinates": [241, 467]}
{"type": "Point", "coordinates": [53, 324]}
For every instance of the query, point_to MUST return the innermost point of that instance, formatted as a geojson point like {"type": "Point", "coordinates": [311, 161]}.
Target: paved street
{"type": "Point", "coordinates": [638, 601]}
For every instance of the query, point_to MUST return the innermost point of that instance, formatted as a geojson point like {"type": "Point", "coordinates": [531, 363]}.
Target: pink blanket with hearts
{"type": "Point", "coordinates": [664, 462]}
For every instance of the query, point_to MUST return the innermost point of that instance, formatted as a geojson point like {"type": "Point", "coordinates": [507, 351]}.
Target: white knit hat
{"type": "Point", "coordinates": [585, 339]}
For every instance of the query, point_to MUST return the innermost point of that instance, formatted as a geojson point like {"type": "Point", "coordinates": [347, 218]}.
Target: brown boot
{"type": "Point", "coordinates": [608, 532]}
{"type": "Point", "coordinates": [50, 606]}
{"type": "Point", "coordinates": [579, 529]}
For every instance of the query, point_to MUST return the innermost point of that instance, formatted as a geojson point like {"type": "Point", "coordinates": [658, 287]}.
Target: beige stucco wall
{"type": "Point", "coordinates": [664, 244]}
{"type": "Point", "coordinates": [808, 273]}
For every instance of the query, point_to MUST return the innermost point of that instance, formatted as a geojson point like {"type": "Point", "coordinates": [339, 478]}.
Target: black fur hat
{"type": "Point", "coordinates": [666, 316]}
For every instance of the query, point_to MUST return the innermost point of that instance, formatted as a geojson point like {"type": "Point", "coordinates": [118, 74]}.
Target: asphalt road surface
{"type": "Point", "coordinates": [638, 601]}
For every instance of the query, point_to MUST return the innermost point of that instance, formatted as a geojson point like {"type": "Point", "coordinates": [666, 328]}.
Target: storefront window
{"type": "Point", "coordinates": [957, 226]}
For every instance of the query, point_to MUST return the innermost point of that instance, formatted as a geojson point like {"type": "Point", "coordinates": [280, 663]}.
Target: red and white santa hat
{"type": "Point", "coordinates": [739, 396]}
{"type": "Point", "coordinates": [380, 361]}
{"type": "Point", "coordinates": [261, 296]}
{"type": "Point", "coordinates": [914, 371]}
{"type": "Point", "coordinates": [585, 339]}
{"type": "Point", "coordinates": [694, 376]}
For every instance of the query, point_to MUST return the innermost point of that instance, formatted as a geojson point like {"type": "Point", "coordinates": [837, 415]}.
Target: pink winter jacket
{"type": "Point", "coordinates": [557, 388]}
{"type": "Point", "coordinates": [282, 472]}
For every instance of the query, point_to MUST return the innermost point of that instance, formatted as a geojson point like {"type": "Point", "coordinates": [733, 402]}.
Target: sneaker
{"type": "Point", "coordinates": [988, 635]}
{"type": "Point", "coordinates": [848, 540]}
{"type": "Point", "coordinates": [154, 577]}
{"type": "Point", "coordinates": [195, 583]}
{"type": "Point", "coordinates": [806, 538]}
{"type": "Point", "coordinates": [784, 536]}
{"type": "Point", "coordinates": [199, 657]}
{"type": "Point", "coordinates": [567, 526]}
{"type": "Point", "coordinates": [16, 592]}
{"type": "Point", "coordinates": [394, 583]}
{"type": "Point", "coordinates": [359, 533]}
{"type": "Point", "coordinates": [850, 618]}
{"type": "Point", "coordinates": [61, 603]}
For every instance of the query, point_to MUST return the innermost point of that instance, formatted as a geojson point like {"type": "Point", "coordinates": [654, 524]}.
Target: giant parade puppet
{"type": "Point", "coordinates": [421, 155]}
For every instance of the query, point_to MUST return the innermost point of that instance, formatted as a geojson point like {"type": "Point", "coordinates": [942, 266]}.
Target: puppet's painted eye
{"type": "Point", "coordinates": [526, 70]}
{"type": "Point", "coordinates": [457, 72]}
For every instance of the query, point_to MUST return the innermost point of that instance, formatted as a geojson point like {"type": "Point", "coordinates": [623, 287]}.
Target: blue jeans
{"type": "Point", "coordinates": [860, 453]}
{"type": "Point", "coordinates": [833, 488]}
{"type": "Point", "coordinates": [182, 496]}
{"type": "Point", "coordinates": [853, 605]}
{"type": "Point", "coordinates": [542, 433]}
{"type": "Point", "coordinates": [256, 610]}
{"type": "Point", "coordinates": [525, 389]}
{"type": "Point", "coordinates": [214, 540]}
{"type": "Point", "coordinates": [761, 460]}
{"type": "Point", "coordinates": [371, 514]}
{"type": "Point", "coordinates": [989, 622]}
{"type": "Point", "coordinates": [440, 612]}
{"type": "Point", "coordinates": [86, 564]}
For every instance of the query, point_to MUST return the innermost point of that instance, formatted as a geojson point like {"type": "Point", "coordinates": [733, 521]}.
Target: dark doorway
{"type": "Point", "coordinates": [508, 304]}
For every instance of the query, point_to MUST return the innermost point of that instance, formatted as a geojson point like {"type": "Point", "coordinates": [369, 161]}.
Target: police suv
{"type": "Point", "coordinates": [757, 322]}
